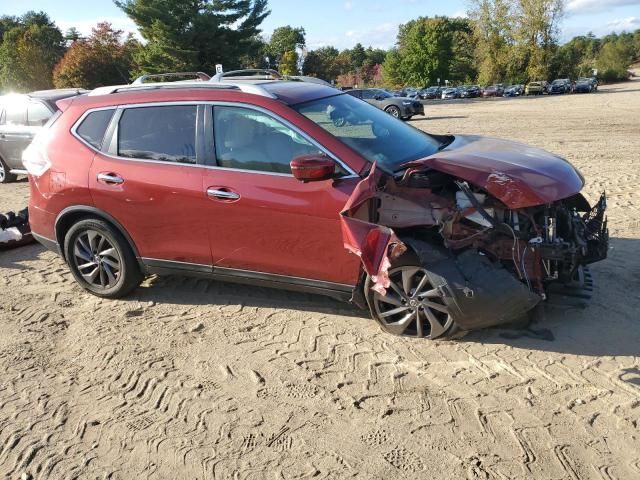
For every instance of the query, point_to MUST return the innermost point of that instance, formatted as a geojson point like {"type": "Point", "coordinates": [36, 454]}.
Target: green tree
{"type": "Point", "coordinates": [195, 34]}
{"type": "Point", "coordinates": [322, 63]}
{"type": "Point", "coordinates": [612, 62]}
{"type": "Point", "coordinates": [426, 50]}
{"type": "Point", "coordinates": [104, 58]}
{"type": "Point", "coordinates": [285, 39]}
{"type": "Point", "coordinates": [31, 46]}
{"type": "Point", "coordinates": [72, 35]}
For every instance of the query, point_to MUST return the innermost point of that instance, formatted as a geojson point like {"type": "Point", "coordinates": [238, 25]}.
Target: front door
{"type": "Point", "coordinates": [149, 180]}
{"type": "Point", "coordinates": [261, 218]}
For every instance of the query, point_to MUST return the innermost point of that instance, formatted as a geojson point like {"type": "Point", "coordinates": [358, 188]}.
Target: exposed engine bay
{"type": "Point", "coordinates": [496, 257]}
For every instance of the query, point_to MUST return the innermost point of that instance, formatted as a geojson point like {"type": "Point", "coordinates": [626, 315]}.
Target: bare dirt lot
{"type": "Point", "coordinates": [191, 379]}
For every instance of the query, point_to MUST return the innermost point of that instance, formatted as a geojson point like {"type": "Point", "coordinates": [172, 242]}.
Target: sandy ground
{"type": "Point", "coordinates": [191, 379]}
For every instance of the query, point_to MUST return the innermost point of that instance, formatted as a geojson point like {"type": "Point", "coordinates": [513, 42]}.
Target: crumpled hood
{"type": "Point", "coordinates": [517, 174]}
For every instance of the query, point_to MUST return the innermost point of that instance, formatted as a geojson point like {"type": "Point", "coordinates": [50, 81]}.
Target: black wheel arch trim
{"type": "Point", "coordinates": [93, 211]}
{"type": "Point", "coordinates": [481, 293]}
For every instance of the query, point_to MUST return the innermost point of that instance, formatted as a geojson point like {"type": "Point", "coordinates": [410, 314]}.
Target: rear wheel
{"type": "Point", "coordinates": [5, 175]}
{"type": "Point", "coordinates": [100, 259]}
{"type": "Point", "coordinates": [414, 305]}
{"type": "Point", "coordinates": [393, 111]}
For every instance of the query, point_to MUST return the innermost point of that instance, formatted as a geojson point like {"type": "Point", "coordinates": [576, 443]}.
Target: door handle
{"type": "Point", "coordinates": [110, 178]}
{"type": "Point", "coordinates": [222, 194]}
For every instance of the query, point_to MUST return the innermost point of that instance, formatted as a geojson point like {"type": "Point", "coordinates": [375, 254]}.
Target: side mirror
{"type": "Point", "coordinates": [313, 168]}
{"type": "Point", "coordinates": [378, 97]}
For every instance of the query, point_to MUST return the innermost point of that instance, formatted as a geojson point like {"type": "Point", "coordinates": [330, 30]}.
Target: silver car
{"type": "Point", "coordinates": [21, 117]}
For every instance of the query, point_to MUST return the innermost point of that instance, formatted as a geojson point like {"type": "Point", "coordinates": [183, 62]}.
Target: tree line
{"type": "Point", "coordinates": [509, 41]}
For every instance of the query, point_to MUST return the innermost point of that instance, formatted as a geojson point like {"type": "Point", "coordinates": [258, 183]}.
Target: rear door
{"type": "Point", "coordinates": [149, 180]}
{"type": "Point", "coordinates": [15, 134]}
{"type": "Point", "coordinates": [261, 219]}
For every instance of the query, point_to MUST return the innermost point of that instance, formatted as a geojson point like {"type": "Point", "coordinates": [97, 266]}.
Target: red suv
{"type": "Point", "coordinates": [297, 185]}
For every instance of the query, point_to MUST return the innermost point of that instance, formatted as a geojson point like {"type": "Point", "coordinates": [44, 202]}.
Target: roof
{"type": "Point", "coordinates": [293, 93]}
{"type": "Point", "coordinates": [289, 92]}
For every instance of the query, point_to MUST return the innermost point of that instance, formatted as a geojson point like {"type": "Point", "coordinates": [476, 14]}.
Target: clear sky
{"type": "Point", "coordinates": [343, 23]}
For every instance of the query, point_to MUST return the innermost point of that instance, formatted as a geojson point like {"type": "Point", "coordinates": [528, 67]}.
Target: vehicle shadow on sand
{"type": "Point", "coordinates": [608, 326]}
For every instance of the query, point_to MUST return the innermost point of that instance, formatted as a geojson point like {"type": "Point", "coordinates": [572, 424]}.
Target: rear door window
{"type": "Point", "coordinates": [38, 114]}
{"type": "Point", "coordinates": [94, 126]}
{"type": "Point", "coordinates": [165, 133]}
{"type": "Point", "coordinates": [16, 113]}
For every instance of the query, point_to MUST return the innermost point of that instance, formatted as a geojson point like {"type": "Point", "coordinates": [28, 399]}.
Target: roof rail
{"type": "Point", "coordinates": [254, 89]}
{"type": "Point", "coordinates": [248, 74]}
{"type": "Point", "coordinates": [198, 76]}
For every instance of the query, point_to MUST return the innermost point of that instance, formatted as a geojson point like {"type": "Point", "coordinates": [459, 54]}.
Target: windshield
{"type": "Point", "coordinates": [557, 82]}
{"type": "Point", "coordinates": [374, 134]}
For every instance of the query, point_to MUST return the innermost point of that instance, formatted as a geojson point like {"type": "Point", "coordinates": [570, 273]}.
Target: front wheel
{"type": "Point", "coordinates": [415, 304]}
{"type": "Point", "coordinates": [100, 259]}
{"type": "Point", "coordinates": [5, 175]}
{"type": "Point", "coordinates": [393, 111]}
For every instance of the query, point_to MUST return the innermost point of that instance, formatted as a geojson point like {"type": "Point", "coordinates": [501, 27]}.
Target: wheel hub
{"type": "Point", "coordinates": [96, 259]}
{"type": "Point", "coordinates": [413, 306]}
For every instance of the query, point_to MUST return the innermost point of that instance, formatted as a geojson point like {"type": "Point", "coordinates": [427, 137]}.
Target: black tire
{"type": "Point", "coordinates": [393, 111]}
{"type": "Point", "coordinates": [5, 175]}
{"type": "Point", "coordinates": [103, 249]}
{"type": "Point", "coordinates": [400, 323]}
{"type": "Point", "coordinates": [406, 119]}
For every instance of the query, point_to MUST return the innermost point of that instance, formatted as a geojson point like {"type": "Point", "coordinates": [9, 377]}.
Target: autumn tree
{"type": "Point", "coordinates": [196, 34]}
{"type": "Point", "coordinates": [31, 45]}
{"type": "Point", "coordinates": [289, 63]}
{"type": "Point", "coordinates": [104, 58]}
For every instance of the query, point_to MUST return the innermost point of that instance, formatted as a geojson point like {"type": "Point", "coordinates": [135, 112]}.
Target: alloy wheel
{"type": "Point", "coordinates": [413, 306]}
{"type": "Point", "coordinates": [96, 259]}
{"type": "Point", "coordinates": [3, 173]}
{"type": "Point", "coordinates": [394, 112]}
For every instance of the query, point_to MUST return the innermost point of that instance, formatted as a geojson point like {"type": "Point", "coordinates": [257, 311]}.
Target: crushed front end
{"type": "Point", "coordinates": [492, 256]}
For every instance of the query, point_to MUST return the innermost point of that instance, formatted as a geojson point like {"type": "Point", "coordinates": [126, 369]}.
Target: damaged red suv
{"type": "Point", "coordinates": [297, 185]}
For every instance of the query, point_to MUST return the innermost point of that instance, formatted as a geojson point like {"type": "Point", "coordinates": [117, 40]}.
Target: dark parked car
{"type": "Point", "coordinates": [399, 107]}
{"type": "Point", "coordinates": [513, 91]}
{"type": "Point", "coordinates": [21, 117]}
{"type": "Point", "coordinates": [493, 91]}
{"type": "Point", "coordinates": [469, 91]}
{"type": "Point", "coordinates": [431, 93]}
{"type": "Point", "coordinates": [451, 92]}
{"type": "Point", "coordinates": [586, 85]}
{"type": "Point", "coordinates": [409, 92]}
{"type": "Point", "coordinates": [264, 183]}
{"type": "Point", "coordinates": [559, 86]}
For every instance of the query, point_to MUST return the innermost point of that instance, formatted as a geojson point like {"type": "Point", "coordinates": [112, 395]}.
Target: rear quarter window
{"type": "Point", "coordinates": [38, 114]}
{"type": "Point", "coordinates": [94, 126]}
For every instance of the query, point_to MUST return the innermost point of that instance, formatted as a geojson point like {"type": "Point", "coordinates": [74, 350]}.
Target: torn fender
{"type": "Point", "coordinates": [478, 292]}
{"type": "Point", "coordinates": [374, 244]}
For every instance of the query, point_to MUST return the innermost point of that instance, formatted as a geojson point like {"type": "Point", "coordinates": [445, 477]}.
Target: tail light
{"type": "Point", "coordinates": [35, 158]}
